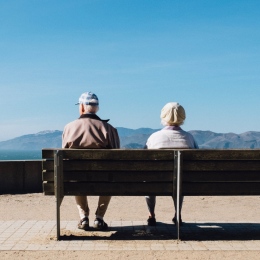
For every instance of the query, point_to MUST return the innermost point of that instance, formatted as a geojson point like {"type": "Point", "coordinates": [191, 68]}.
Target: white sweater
{"type": "Point", "coordinates": [171, 138]}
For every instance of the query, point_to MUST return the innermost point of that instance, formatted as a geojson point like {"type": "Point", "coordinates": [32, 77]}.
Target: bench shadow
{"type": "Point", "coordinates": [162, 231]}
{"type": "Point", "coordinates": [205, 231]}
{"type": "Point", "coordinates": [220, 231]}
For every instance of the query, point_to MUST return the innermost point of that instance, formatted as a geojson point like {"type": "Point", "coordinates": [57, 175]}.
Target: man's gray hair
{"type": "Point", "coordinates": [91, 109]}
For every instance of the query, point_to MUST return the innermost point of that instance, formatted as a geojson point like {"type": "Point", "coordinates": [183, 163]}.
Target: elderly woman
{"type": "Point", "coordinates": [171, 136]}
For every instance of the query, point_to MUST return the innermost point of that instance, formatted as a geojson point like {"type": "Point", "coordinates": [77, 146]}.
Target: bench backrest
{"type": "Point", "coordinates": [220, 172]}
{"type": "Point", "coordinates": [153, 172]}
{"type": "Point", "coordinates": [110, 172]}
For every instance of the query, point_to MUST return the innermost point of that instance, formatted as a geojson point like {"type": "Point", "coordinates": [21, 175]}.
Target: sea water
{"type": "Point", "coordinates": [6, 155]}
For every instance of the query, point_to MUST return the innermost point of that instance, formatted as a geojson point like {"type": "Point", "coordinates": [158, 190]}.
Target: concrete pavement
{"type": "Point", "coordinates": [129, 235]}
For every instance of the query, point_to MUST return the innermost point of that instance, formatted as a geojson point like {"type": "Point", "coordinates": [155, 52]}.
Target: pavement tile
{"type": "Point", "coordinates": [143, 248]}
{"type": "Point", "coordinates": [197, 236]}
{"type": "Point", "coordinates": [6, 247]}
{"type": "Point", "coordinates": [20, 247]}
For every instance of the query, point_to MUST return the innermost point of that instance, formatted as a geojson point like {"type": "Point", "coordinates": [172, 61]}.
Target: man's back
{"type": "Point", "coordinates": [89, 131]}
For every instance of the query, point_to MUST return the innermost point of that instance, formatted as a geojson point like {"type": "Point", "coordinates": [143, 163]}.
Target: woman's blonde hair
{"type": "Point", "coordinates": [173, 114]}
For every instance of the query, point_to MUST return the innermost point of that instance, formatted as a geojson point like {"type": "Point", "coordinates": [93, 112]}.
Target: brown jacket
{"type": "Point", "coordinates": [89, 131]}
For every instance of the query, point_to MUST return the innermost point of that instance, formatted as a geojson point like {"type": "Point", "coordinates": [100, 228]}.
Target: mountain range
{"type": "Point", "coordinates": [136, 139]}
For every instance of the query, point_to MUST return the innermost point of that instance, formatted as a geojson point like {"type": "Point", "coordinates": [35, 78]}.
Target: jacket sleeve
{"type": "Point", "coordinates": [114, 141]}
{"type": "Point", "coordinates": [64, 141]}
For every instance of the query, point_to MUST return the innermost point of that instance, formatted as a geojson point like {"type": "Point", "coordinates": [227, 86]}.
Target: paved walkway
{"type": "Point", "coordinates": [129, 235]}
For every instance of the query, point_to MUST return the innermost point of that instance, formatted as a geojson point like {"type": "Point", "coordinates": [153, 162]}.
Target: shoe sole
{"type": "Point", "coordinates": [104, 227]}
{"type": "Point", "coordinates": [83, 227]}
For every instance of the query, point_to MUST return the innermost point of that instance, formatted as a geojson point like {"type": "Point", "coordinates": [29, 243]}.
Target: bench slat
{"type": "Point", "coordinates": [227, 154]}
{"type": "Point", "coordinates": [135, 176]}
{"type": "Point", "coordinates": [224, 176]}
{"type": "Point", "coordinates": [101, 165]}
{"type": "Point", "coordinates": [113, 189]}
{"type": "Point", "coordinates": [116, 154]}
{"type": "Point", "coordinates": [228, 165]}
{"type": "Point", "coordinates": [220, 188]}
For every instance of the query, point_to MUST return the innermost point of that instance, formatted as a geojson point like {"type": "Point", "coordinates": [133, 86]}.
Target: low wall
{"type": "Point", "coordinates": [20, 177]}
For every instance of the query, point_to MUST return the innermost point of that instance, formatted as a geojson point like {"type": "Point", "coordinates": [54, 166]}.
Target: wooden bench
{"type": "Point", "coordinates": [165, 172]}
{"type": "Point", "coordinates": [107, 172]}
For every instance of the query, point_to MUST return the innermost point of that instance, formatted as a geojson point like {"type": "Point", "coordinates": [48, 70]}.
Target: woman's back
{"type": "Point", "coordinates": [171, 137]}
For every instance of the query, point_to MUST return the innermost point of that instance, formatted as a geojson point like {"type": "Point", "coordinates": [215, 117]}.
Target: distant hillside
{"type": "Point", "coordinates": [136, 139]}
{"type": "Point", "coordinates": [48, 139]}
{"type": "Point", "coordinates": [208, 139]}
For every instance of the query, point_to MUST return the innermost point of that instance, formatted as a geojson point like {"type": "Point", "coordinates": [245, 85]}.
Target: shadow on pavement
{"type": "Point", "coordinates": [206, 231]}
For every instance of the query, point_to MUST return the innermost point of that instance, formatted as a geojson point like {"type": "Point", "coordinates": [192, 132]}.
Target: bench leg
{"type": "Point", "coordinates": [178, 194]}
{"type": "Point", "coordinates": [58, 203]}
{"type": "Point", "coordinates": [58, 186]}
{"type": "Point", "coordinates": [58, 218]}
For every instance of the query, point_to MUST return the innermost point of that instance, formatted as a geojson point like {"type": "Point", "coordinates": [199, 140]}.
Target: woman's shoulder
{"type": "Point", "coordinates": [157, 133]}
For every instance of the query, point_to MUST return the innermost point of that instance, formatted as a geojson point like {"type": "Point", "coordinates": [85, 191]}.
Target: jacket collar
{"type": "Point", "coordinates": [172, 128]}
{"type": "Point", "coordinates": [93, 116]}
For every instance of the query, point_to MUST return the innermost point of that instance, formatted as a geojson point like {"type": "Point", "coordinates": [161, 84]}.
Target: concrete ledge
{"type": "Point", "coordinates": [20, 177]}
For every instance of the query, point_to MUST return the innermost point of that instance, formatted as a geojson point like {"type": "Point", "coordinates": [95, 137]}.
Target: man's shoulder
{"type": "Point", "coordinates": [110, 127]}
{"type": "Point", "coordinates": [72, 123]}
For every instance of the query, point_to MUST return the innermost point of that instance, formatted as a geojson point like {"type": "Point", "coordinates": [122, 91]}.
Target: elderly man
{"type": "Point", "coordinates": [89, 131]}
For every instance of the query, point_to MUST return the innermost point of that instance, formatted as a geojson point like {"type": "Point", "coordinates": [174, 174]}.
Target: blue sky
{"type": "Point", "coordinates": [136, 56]}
